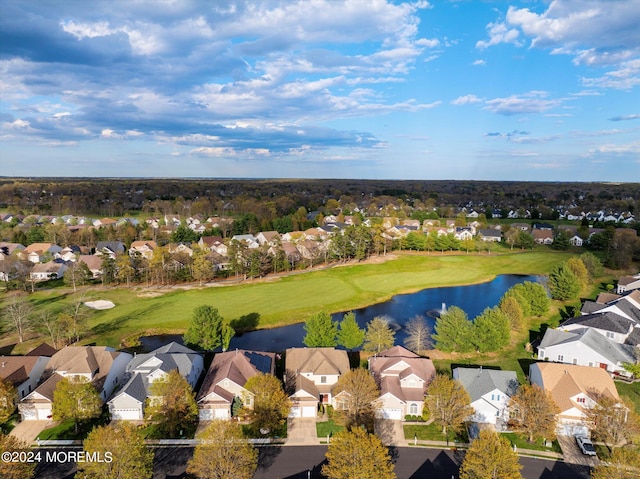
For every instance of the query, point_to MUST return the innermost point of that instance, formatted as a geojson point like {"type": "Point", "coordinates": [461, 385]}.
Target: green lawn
{"type": "Point", "coordinates": [66, 429]}
{"type": "Point", "coordinates": [432, 432]}
{"type": "Point", "coordinates": [291, 299]}
{"type": "Point", "coordinates": [632, 391]}
{"type": "Point", "coordinates": [521, 443]}
{"type": "Point", "coordinates": [326, 428]}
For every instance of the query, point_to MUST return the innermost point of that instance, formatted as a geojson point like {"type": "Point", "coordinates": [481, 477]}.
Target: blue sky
{"type": "Point", "coordinates": [528, 90]}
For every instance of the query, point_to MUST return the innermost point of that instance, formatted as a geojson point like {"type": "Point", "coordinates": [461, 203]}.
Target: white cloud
{"type": "Point", "coordinates": [499, 33]}
{"type": "Point", "coordinates": [624, 78]}
{"type": "Point", "coordinates": [532, 102]}
{"type": "Point", "coordinates": [466, 99]}
{"type": "Point", "coordinates": [479, 63]}
{"type": "Point", "coordinates": [212, 151]}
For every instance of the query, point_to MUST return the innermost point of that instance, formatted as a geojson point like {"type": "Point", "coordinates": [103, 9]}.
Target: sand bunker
{"type": "Point", "coordinates": [100, 304]}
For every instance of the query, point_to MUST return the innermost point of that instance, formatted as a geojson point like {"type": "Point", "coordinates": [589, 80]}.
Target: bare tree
{"type": "Point", "coordinates": [48, 322]}
{"type": "Point", "coordinates": [18, 315]}
{"type": "Point", "coordinates": [418, 334]}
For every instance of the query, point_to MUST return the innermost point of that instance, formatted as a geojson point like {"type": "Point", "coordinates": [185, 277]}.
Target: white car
{"type": "Point", "coordinates": [585, 445]}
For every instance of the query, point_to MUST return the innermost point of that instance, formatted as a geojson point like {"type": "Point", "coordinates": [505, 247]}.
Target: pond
{"type": "Point", "coordinates": [473, 299]}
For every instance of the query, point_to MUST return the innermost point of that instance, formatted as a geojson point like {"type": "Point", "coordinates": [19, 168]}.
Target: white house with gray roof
{"type": "Point", "coordinates": [144, 369]}
{"type": "Point", "coordinates": [585, 347]}
{"type": "Point", "coordinates": [490, 391]}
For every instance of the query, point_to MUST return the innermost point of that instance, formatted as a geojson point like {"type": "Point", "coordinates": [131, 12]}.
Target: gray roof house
{"type": "Point", "coordinates": [144, 369]}
{"type": "Point", "coordinates": [225, 381]}
{"type": "Point", "coordinates": [585, 347]}
{"type": "Point", "coordinates": [609, 324]}
{"type": "Point", "coordinates": [490, 391]}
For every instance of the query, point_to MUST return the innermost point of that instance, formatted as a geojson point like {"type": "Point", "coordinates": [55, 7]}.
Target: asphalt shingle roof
{"type": "Point", "coordinates": [480, 381]}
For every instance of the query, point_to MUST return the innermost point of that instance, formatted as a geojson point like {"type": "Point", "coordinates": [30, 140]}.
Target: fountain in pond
{"type": "Point", "coordinates": [436, 313]}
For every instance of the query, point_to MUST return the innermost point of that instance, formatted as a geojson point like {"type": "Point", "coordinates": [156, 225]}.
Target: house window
{"type": "Point", "coordinates": [413, 409]}
{"type": "Point", "coordinates": [560, 357]}
{"type": "Point", "coordinates": [609, 335]}
{"type": "Point", "coordinates": [581, 400]}
{"type": "Point", "coordinates": [590, 364]}
{"type": "Point", "coordinates": [495, 397]}
{"type": "Point", "coordinates": [575, 361]}
{"type": "Point", "coordinates": [323, 379]}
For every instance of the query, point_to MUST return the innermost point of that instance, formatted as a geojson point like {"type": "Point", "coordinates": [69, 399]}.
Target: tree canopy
{"type": "Point", "coordinates": [491, 330]}
{"type": "Point", "coordinates": [614, 422]}
{"type": "Point", "coordinates": [563, 283]}
{"type": "Point", "coordinates": [17, 469]}
{"type": "Point", "coordinates": [172, 404]}
{"type": "Point", "coordinates": [270, 404]}
{"type": "Point", "coordinates": [357, 395]}
{"type": "Point", "coordinates": [130, 457]}
{"type": "Point", "coordinates": [77, 399]}
{"type": "Point", "coordinates": [222, 453]}
{"type": "Point", "coordinates": [448, 403]}
{"type": "Point", "coordinates": [205, 328]}
{"type": "Point", "coordinates": [350, 335]}
{"type": "Point", "coordinates": [453, 331]}
{"type": "Point", "coordinates": [490, 457]}
{"type": "Point", "coordinates": [7, 399]}
{"type": "Point", "coordinates": [379, 335]}
{"type": "Point", "coordinates": [321, 331]}
{"type": "Point", "coordinates": [418, 334]}
{"type": "Point", "coordinates": [532, 411]}
{"type": "Point", "coordinates": [356, 454]}
{"type": "Point", "coordinates": [624, 463]}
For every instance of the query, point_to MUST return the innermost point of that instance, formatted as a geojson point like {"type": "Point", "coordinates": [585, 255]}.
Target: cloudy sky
{"type": "Point", "coordinates": [524, 90]}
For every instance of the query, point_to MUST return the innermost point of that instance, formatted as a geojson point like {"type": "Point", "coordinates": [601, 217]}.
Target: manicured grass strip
{"type": "Point", "coordinates": [326, 428]}
{"type": "Point", "coordinates": [632, 391]}
{"type": "Point", "coordinates": [432, 432]}
{"type": "Point", "coordinates": [521, 443]}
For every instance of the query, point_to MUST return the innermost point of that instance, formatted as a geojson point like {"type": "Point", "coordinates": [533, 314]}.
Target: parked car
{"type": "Point", "coordinates": [585, 445]}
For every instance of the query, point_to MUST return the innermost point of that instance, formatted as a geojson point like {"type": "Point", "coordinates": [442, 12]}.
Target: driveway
{"type": "Point", "coordinates": [302, 431]}
{"type": "Point", "coordinates": [572, 453]}
{"type": "Point", "coordinates": [390, 432]}
{"type": "Point", "coordinates": [29, 430]}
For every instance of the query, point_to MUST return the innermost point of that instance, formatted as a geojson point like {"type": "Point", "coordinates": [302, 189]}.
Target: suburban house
{"type": "Point", "coordinates": [47, 271]}
{"type": "Point", "coordinates": [38, 252]}
{"type": "Point", "coordinates": [143, 248]}
{"type": "Point", "coordinates": [102, 365]}
{"type": "Point", "coordinates": [144, 369]}
{"type": "Point", "coordinates": [490, 235]}
{"type": "Point", "coordinates": [402, 377]}
{"type": "Point", "coordinates": [490, 391]}
{"type": "Point", "coordinates": [542, 236]}
{"type": "Point", "coordinates": [109, 248]}
{"type": "Point", "coordinates": [93, 262]}
{"type": "Point", "coordinates": [575, 389]}
{"type": "Point", "coordinates": [585, 347]}
{"type": "Point", "coordinates": [215, 244]}
{"type": "Point", "coordinates": [8, 249]}
{"type": "Point", "coordinates": [23, 372]}
{"type": "Point", "coordinates": [628, 283]}
{"type": "Point", "coordinates": [247, 240]}
{"type": "Point", "coordinates": [575, 240]}
{"type": "Point", "coordinates": [270, 238]}
{"type": "Point", "coordinates": [310, 374]}
{"type": "Point", "coordinates": [609, 324]}
{"type": "Point", "coordinates": [225, 381]}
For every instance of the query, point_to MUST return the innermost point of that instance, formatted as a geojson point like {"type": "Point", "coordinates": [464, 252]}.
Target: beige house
{"type": "Point", "coordinates": [225, 380]}
{"type": "Point", "coordinates": [402, 377]}
{"type": "Point", "coordinates": [310, 374]}
{"type": "Point", "coordinates": [143, 248]}
{"type": "Point", "coordinates": [102, 365]}
{"type": "Point", "coordinates": [23, 372]}
{"type": "Point", "coordinates": [575, 389]}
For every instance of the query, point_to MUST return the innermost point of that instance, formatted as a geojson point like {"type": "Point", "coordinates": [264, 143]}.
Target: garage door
{"type": "Point", "coordinates": [44, 414]}
{"type": "Point", "coordinates": [295, 412]}
{"type": "Point", "coordinates": [390, 413]}
{"type": "Point", "coordinates": [205, 414]}
{"type": "Point", "coordinates": [126, 414]}
{"type": "Point", "coordinates": [29, 414]}
{"type": "Point", "coordinates": [221, 413]}
{"type": "Point", "coordinates": [309, 411]}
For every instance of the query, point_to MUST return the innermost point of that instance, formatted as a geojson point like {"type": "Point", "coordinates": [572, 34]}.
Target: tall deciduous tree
{"type": "Point", "coordinates": [205, 328]}
{"type": "Point", "coordinates": [350, 335]}
{"type": "Point", "coordinates": [172, 404]}
{"type": "Point", "coordinates": [593, 264]}
{"type": "Point", "coordinates": [614, 423]}
{"type": "Point", "coordinates": [130, 457]}
{"type": "Point", "coordinates": [379, 335]}
{"type": "Point", "coordinates": [15, 469]}
{"type": "Point", "coordinates": [356, 454]}
{"type": "Point", "coordinates": [356, 393]}
{"type": "Point", "coordinates": [321, 331]}
{"type": "Point", "coordinates": [490, 457]}
{"type": "Point", "coordinates": [7, 400]}
{"type": "Point", "coordinates": [18, 314]}
{"type": "Point", "coordinates": [418, 334]}
{"type": "Point", "coordinates": [510, 306]}
{"type": "Point", "coordinates": [77, 399]}
{"type": "Point", "coordinates": [448, 403]}
{"type": "Point", "coordinates": [578, 268]}
{"type": "Point", "coordinates": [202, 266]}
{"type": "Point", "coordinates": [532, 411]}
{"type": "Point", "coordinates": [222, 452]}
{"type": "Point", "coordinates": [271, 405]}
{"type": "Point", "coordinates": [624, 463]}
{"type": "Point", "coordinates": [453, 331]}
{"type": "Point", "coordinates": [77, 274]}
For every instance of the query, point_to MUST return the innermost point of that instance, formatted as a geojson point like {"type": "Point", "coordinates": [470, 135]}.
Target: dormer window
{"type": "Point", "coordinates": [323, 379]}
{"type": "Point", "coordinates": [581, 400]}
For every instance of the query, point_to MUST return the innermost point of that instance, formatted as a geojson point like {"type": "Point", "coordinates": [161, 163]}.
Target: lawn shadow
{"type": "Point", "coordinates": [54, 299]}
{"type": "Point", "coordinates": [6, 350]}
{"type": "Point", "coordinates": [524, 365]}
{"type": "Point", "coordinates": [118, 322]}
{"type": "Point", "coordinates": [245, 323]}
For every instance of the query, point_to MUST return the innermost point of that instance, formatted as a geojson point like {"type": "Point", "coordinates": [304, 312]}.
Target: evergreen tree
{"type": "Point", "coordinates": [563, 284]}
{"type": "Point", "coordinates": [350, 335]}
{"type": "Point", "coordinates": [453, 331]}
{"type": "Point", "coordinates": [321, 331]}
{"type": "Point", "coordinates": [490, 457]}
{"type": "Point", "coordinates": [491, 330]}
{"type": "Point", "coordinates": [510, 306]}
{"type": "Point", "coordinates": [379, 335]}
{"type": "Point", "coordinates": [537, 297]}
{"type": "Point", "coordinates": [205, 328]}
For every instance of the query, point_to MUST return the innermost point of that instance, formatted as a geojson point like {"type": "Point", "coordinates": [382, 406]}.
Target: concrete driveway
{"type": "Point", "coordinates": [302, 431]}
{"type": "Point", "coordinates": [572, 453]}
{"type": "Point", "coordinates": [29, 430]}
{"type": "Point", "coordinates": [390, 432]}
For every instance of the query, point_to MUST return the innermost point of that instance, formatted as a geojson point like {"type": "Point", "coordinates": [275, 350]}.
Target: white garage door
{"type": "Point", "coordinates": [390, 413]}
{"type": "Point", "coordinates": [44, 414]}
{"type": "Point", "coordinates": [126, 414]}
{"type": "Point", "coordinates": [221, 413]}
{"type": "Point", "coordinates": [205, 414]}
{"type": "Point", "coordinates": [29, 414]}
{"type": "Point", "coordinates": [309, 411]}
{"type": "Point", "coordinates": [295, 412]}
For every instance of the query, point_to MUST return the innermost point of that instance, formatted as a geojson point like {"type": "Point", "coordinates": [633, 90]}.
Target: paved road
{"type": "Point", "coordinates": [295, 462]}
